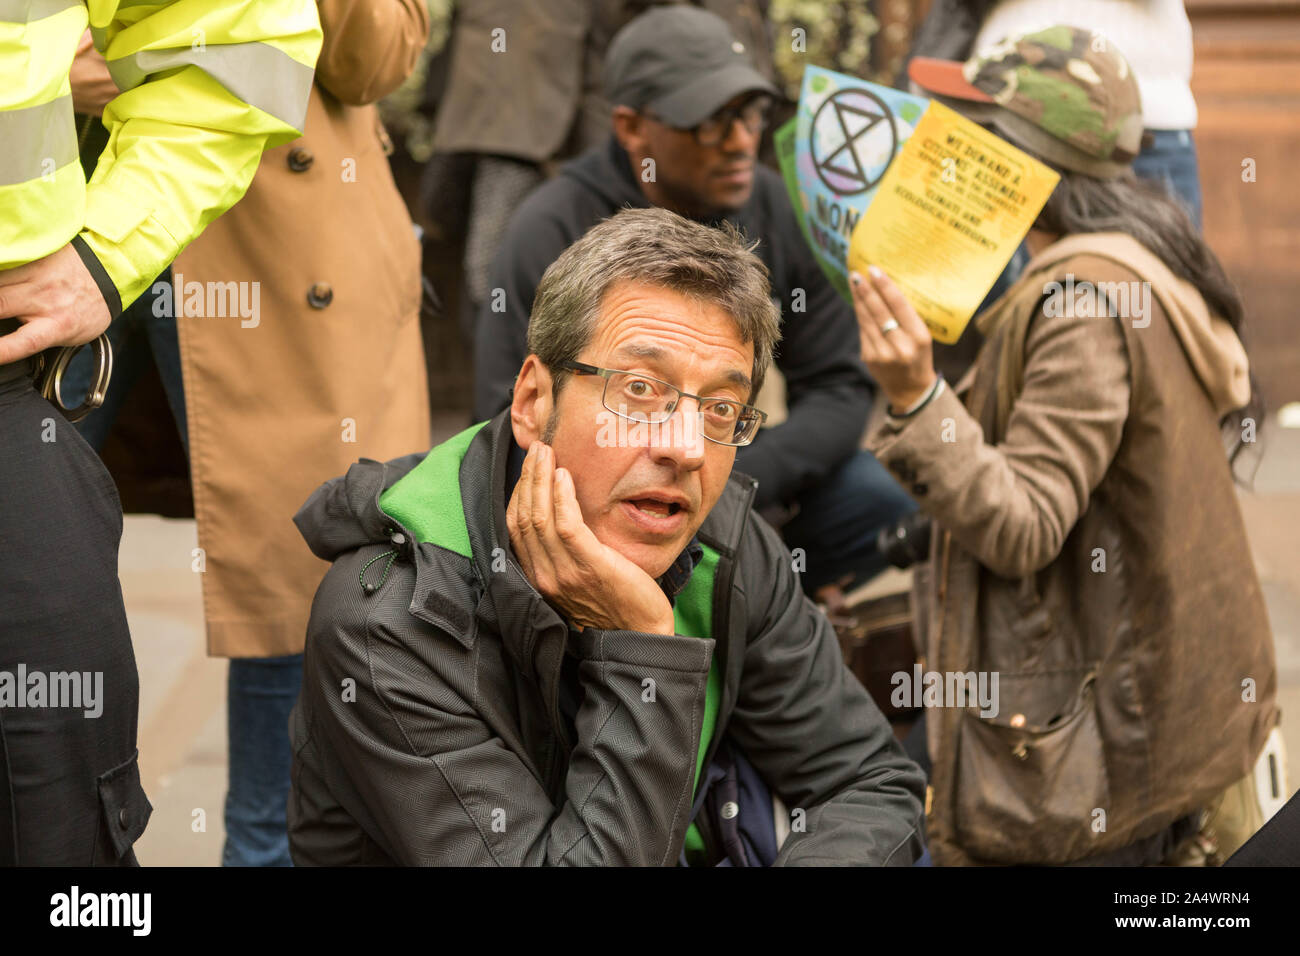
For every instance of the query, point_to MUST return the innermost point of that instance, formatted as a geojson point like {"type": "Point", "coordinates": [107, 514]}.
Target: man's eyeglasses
{"type": "Point", "coordinates": [753, 115]}
{"type": "Point", "coordinates": [640, 398]}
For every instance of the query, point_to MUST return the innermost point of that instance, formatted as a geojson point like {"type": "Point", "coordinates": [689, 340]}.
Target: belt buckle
{"type": "Point", "coordinates": [51, 365]}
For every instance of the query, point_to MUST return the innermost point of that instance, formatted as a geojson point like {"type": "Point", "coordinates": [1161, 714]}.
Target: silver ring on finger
{"type": "Point", "coordinates": [888, 326]}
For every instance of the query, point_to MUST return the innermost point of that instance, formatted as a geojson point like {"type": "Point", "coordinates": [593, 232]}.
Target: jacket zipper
{"type": "Point", "coordinates": [722, 641]}
{"type": "Point", "coordinates": [559, 758]}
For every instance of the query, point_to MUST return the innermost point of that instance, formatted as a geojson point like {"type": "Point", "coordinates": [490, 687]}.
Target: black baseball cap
{"type": "Point", "coordinates": [681, 63]}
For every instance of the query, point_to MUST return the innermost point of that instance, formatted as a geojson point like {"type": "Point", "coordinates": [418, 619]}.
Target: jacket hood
{"type": "Point", "coordinates": [344, 514]}
{"type": "Point", "coordinates": [456, 540]}
{"type": "Point", "coordinates": [1213, 349]}
{"type": "Point", "coordinates": [445, 523]}
{"type": "Point", "coordinates": [605, 171]}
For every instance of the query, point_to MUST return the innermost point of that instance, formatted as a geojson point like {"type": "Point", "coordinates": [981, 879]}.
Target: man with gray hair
{"type": "Point", "coordinates": [563, 637]}
{"type": "Point", "coordinates": [689, 109]}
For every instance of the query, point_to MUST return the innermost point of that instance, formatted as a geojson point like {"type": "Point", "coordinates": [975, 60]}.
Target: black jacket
{"type": "Point", "coordinates": [828, 390]}
{"type": "Point", "coordinates": [429, 727]}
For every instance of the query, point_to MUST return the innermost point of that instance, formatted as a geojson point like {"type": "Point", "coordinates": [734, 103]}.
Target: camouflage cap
{"type": "Point", "coordinates": [1063, 93]}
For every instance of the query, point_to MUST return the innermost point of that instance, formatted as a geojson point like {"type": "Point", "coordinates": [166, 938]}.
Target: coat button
{"type": "Point", "coordinates": [320, 295]}
{"type": "Point", "coordinates": [729, 810]}
{"type": "Point", "coordinates": [300, 159]}
{"type": "Point", "coordinates": [398, 539]}
{"type": "Point", "coordinates": [123, 820]}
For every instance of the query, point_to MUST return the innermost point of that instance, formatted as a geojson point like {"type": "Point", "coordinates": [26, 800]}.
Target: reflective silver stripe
{"type": "Point", "coordinates": [29, 11]}
{"type": "Point", "coordinates": [259, 74]}
{"type": "Point", "coordinates": [32, 137]}
{"type": "Point", "coordinates": [100, 34]}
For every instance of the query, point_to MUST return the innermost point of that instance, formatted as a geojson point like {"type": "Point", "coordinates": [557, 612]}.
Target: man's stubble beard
{"type": "Point", "coordinates": [684, 201]}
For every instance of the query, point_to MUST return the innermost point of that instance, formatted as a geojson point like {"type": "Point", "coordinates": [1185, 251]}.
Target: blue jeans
{"type": "Point", "coordinates": [260, 693]}
{"type": "Point", "coordinates": [839, 519]}
{"type": "Point", "coordinates": [1171, 159]}
{"type": "Point", "coordinates": [136, 335]}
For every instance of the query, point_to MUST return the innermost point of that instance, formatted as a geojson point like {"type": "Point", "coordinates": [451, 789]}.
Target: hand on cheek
{"type": "Point", "coordinates": [590, 583]}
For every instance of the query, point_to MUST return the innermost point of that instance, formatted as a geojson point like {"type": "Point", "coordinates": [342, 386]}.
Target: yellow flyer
{"type": "Point", "coordinates": [948, 215]}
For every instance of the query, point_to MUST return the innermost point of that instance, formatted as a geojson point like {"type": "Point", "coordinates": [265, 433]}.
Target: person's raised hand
{"type": "Point", "coordinates": [588, 582]}
{"type": "Point", "coordinates": [57, 301]}
{"type": "Point", "coordinates": [896, 345]}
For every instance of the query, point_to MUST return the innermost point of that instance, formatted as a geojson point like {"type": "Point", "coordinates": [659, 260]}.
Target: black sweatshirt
{"type": "Point", "coordinates": [828, 390]}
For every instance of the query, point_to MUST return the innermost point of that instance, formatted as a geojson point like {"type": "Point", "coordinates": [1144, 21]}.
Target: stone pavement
{"type": "Point", "coordinates": [182, 691]}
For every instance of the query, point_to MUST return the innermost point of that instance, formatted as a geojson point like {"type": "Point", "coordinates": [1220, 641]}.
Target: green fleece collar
{"type": "Point", "coordinates": [427, 499]}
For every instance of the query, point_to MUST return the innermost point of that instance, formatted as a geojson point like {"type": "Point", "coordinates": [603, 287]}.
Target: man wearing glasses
{"type": "Point", "coordinates": [553, 641]}
{"type": "Point", "coordinates": [689, 113]}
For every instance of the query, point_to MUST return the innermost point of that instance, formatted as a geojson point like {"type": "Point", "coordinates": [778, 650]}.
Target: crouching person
{"type": "Point", "coordinates": [562, 637]}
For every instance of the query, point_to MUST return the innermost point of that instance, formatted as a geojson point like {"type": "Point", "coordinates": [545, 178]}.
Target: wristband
{"type": "Point", "coordinates": [97, 272]}
{"type": "Point", "coordinates": [925, 400]}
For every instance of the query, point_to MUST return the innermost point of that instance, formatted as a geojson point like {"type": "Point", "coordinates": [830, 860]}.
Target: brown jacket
{"type": "Point", "coordinates": [1089, 550]}
{"type": "Point", "coordinates": [331, 368]}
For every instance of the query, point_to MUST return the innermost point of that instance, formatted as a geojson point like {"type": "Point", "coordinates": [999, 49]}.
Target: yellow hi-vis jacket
{"type": "Point", "coordinates": [207, 86]}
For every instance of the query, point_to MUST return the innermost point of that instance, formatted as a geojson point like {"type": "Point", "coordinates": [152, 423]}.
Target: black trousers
{"type": "Point", "coordinates": [70, 790]}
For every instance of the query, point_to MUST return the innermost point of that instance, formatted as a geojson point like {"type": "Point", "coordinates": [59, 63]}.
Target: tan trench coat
{"type": "Point", "coordinates": [322, 362]}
